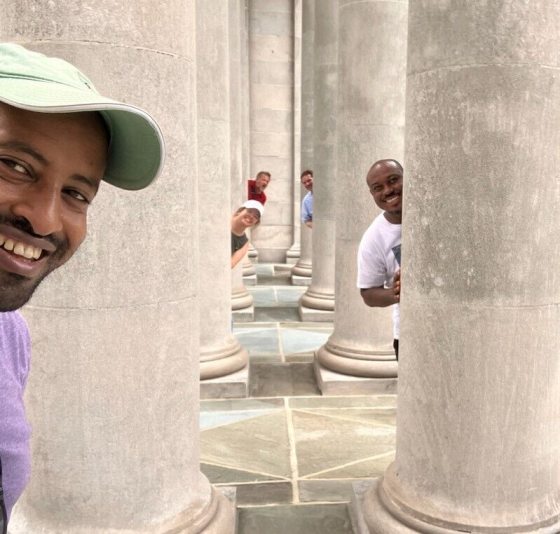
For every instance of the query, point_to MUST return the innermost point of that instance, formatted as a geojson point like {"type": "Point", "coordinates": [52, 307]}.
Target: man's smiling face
{"type": "Point", "coordinates": [385, 182]}
{"type": "Point", "coordinates": [50, 169]}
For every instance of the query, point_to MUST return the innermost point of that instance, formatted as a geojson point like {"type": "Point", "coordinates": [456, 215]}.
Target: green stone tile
{"type": "Point", "coordinates": [327, 443]}
{"type": "Point", "coordinates": [300, 519]}
{"type": "Point", "coordinates": [312, 490]}
{"type": "Point", "coordinates": [223, 475]}
{"type": "Point", "coordinates": [276, 314]}
{"type": "Point", "coordinates": [277, 380]}
{"type": "Point", "coordinates": [258, 445]}
{"type": "Point", "coordinates": [299, 340]}
{"type": "Point", "coordinates": [359, 401]}
{"type": "Point", "coordinates": [263, 296]}
{"type": "Point", "coordinates": [386, 416]}
{"type": "Point", "coordinates": [259, 340]}
{"type": "Point", "coordinates": [264, 493]}
{"type": "Point", "coordinates": [370, 468]}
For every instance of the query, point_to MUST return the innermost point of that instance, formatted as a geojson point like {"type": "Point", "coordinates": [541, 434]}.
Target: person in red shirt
{"type": "Point", "coordinates": [256, 187]}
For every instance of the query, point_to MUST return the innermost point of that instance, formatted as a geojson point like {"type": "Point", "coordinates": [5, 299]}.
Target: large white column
{"type": "Point", "coordinates": [241, 299]}
{"type": "Point", "coordinates": [320, 294]}
{"type": "Point", "coordinates": [271, 107]}
{"type": "Point", "coordinates": [220, 352]}
{"type": "Point", "coordinates": [372, 79]}
{"type": "Point", "coordinates": [478, 440]}
{"type": "Point", "coordinates": [293, 253]}
{"type": "Point", "coordinates": [113, 392]}
{"type": "Point", "coordinates": [301, 271]}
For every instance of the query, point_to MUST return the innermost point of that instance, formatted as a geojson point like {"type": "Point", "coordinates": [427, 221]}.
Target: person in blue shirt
{"type": "Point", "coordinates": [307, 202]}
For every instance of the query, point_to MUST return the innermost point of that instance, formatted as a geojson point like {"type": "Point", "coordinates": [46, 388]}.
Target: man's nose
{"type": "Point", "coordinates": [41, 206]}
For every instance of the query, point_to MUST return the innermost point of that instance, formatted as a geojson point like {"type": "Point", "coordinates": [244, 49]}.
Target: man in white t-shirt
{"type": "Point", "coordinates": [379, 254]}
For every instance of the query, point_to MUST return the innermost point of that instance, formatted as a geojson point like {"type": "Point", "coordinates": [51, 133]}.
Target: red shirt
{"type": "Point", "coordinates": [253, 195]}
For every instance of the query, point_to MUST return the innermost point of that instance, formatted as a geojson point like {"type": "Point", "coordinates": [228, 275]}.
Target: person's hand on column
{"type": "Point", "coordinates": [397, 285]}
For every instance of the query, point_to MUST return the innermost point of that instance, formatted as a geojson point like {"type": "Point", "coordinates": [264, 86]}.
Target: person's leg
{"type": "Point", "coordinates": [396, 347]}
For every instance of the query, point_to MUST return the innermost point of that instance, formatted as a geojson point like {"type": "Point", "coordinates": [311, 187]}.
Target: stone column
{"type": "Point", "coordinates": [241, 299]}
{"type": "Point", "coordinates": [301, 271]}
{"type": "Point", "coordinates": [220, 352]}
{"type": "Point", "coordinates": [293, 253]}
{"type": "Point", "coordinates": [370, 127]}
{"type": "Point", "coordinates": [317, 303]}
{"type": "Point", "coordinates": [478, 446]}
{"type": "Point", "coordinates": [113, 392]}
{"type": "Point", "coordinates": [271, 108]}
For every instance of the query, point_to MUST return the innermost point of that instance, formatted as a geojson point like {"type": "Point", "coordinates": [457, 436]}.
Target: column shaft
{"type": "Point", "coordinates": [303, 267]}
{"type": "Point", "coordinates": [478, 446]}
{"type": "Point", "coordinates": [370, 127]}
{"type": "Point", "coordinates": [113, 392]}
{"type": "Point", "coordinates": [320, 295]}
{"type": "Point", "coordinates": [220, 352]}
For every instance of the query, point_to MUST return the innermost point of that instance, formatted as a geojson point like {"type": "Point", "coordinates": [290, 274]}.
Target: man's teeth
{"type": "Point", "coordinates": [20, 249]}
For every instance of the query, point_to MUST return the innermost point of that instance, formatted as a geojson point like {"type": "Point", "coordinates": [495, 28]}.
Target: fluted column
{"type": "Point", "coordinates": [113, 392]}
{"type": "Point", "coordinates": [370, 127]}
{"type": "Point", "coordinates": [220, 352]}
{"type": "Point", "coordinates": [320, 294]}
{"type": "Point", "coordinates": [478, 441]}
{"type": "Point", "coordinates": [301, 271]}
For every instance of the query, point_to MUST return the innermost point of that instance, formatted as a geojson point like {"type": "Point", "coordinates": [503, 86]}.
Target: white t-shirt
{"type": "Point", "coordinates": [379, 257]}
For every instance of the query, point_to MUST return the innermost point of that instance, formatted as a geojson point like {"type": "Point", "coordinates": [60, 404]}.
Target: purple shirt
{"type": "Point", "coordinates": [14, 428]}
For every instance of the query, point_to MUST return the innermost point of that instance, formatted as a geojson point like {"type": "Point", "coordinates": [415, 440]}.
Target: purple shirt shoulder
{"type": "Point", "coordinates": [14, 427]}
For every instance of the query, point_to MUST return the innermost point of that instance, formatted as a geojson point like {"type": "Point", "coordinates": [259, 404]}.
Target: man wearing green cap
{"type": "Point", "coordinates": [58, 140]}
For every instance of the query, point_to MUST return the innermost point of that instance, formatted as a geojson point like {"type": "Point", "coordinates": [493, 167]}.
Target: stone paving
{"type": "Point", "coordinates": [291, 453]}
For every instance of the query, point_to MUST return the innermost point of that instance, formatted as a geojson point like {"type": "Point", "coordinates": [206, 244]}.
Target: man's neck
{"type": "Point", "coordinates": [393, 218]}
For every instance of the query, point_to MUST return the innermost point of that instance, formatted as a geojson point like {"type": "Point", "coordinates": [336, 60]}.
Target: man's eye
{"type": "Point", "coordinates": [77, 195]}
{"type": "Point", "coordinates": [14, 165]}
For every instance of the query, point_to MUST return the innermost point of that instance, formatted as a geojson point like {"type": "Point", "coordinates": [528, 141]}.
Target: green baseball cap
{"type": "Point", "coordinates": [35, 82]}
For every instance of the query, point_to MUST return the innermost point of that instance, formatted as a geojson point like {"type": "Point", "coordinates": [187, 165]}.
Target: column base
{"type": "Point", "coordinates": [376, 364]}
{"type": "Point", "coordinates": [302, 268]}
{"type": "Point", "coordinates": [232, 386]}
{"type": "Point", "coordinates": [241, 299]}
{"type": "Point", "coordinates": [293, 254]}
{"type": "Point", "coordinates": [313, 315]}
{"type": "Point", "coordinates": [217, 517]}
{"type": "Point", "coordinates": [373, 512]}
{"type": "Point", "coordinates": [300, 280]}
{"type": "Point", "coordinates": [316, 300]}
{"type": "Point", "coordinates": [331, 383]}
{"type": "Point", "coordinates": [248, 268]}
{"type": "Point", "coordinates": [224, 360]}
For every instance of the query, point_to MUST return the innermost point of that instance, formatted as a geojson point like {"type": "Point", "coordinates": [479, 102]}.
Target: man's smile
{"type": "Point", "coordinates": [20, 249]}
{"type": "Point", "coordinates": [21, 253]}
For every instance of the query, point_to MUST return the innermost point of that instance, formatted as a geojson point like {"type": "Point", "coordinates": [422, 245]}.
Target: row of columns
{"type": "Point", "coordinates": [113, 396]}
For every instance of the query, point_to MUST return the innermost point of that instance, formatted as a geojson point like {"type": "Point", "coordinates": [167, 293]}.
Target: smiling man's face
{"type": "Point", "coordinates": [385, 182]}
{"type": "Point", "coordinates": [50, 169]}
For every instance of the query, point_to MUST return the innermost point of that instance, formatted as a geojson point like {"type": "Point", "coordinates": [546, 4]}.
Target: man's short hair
{"type": "Point", "coordinates": [304, 173]}
{"type": "Point", "coordinates": [263, 173]}
{"type": "Point", "coordinates": [381, 161]}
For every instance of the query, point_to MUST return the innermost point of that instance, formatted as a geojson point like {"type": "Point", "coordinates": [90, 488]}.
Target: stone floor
{"type": "Point", "coordinates": [291, 453]}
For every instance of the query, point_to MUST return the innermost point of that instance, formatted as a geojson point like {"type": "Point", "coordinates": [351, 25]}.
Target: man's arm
{"type": "Point", "coordinates": [238, 255]}
{"type": "Point", "coordinates": [383, 296]}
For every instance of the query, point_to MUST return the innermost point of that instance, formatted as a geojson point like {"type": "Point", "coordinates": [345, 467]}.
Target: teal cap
{"type": "Point", "coordinates": [35, 82]}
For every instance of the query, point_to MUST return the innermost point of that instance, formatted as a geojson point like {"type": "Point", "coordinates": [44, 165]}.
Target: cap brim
{"type": "Point", "coordinates": [136, 151]}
